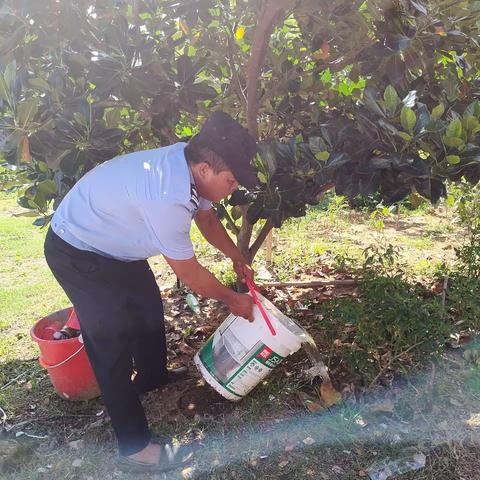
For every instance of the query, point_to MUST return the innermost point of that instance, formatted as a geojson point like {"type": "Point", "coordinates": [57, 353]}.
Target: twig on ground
{"type": "Point", "coordinates": [444, 295]}
{"type": "Point", "coordinates": [311, 284]}
{"type": "Point", "coordinates": [15, 379]}
{"type": "Point", "coordinates": [389, 363]}
{"type": "Point", "coordinates": [47, 417]}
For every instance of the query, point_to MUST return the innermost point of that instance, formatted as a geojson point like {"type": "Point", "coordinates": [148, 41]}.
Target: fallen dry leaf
{"type": "Point", "coordinates": [437, 287]}
{"type": "Point", "coordinates": [311, 403]}
{"type": "Point", "coordinates": [329, 395]}
{"type": "Point", "coordinates": [186, 349]}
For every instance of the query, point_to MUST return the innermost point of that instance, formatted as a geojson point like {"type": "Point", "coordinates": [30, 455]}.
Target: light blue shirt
{"type": "Point", "coordinates": [133, 207]}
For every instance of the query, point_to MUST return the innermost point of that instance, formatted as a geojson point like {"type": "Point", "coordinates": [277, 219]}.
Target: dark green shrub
{"type": "Point", "coordinates": [392, 324]}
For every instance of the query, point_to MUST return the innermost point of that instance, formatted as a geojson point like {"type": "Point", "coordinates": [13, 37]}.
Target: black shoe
{"type": "Point", "coordinates": [171, 457]}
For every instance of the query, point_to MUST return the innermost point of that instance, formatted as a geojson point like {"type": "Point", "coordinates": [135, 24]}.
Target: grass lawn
{"type": "Point", "coordinates": [270, 434]}
{"type": "Point", "coordinates": [27, 289]}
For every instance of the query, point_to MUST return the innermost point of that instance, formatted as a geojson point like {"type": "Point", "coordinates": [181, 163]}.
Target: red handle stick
{"type": "Point", "coordinates": [252, 287]}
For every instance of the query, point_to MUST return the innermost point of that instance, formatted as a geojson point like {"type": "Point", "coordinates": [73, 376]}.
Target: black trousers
{"type": "Point", "coordinates": [121, 317]}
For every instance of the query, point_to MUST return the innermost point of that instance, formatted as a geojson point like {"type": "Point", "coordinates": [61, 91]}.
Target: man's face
{"type": "Point", "coordinates": [222, 185]}
{"type": "Point", "coordinates": [216, 186]}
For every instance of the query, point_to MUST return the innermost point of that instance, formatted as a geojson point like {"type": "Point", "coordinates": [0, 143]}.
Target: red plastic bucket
{"type": "Point", "coordinates": [65, 360]}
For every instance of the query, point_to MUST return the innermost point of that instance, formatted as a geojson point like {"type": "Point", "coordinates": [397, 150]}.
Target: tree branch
{"type": "Point", "coordinates": [236, 83]}
{"type": "Point", "coordinates": [245, 234]}
{"type": "Point", "coordinates": [110, 103]}
{"type": "Point", "coordinates": [267, 227]}
{"type": "Point", "coordinates": [267, 16]}
{"type": "Point", "coordinates": [231, 223]}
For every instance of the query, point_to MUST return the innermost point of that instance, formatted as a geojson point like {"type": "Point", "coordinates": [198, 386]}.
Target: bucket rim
{"type": "Point", "coordinates": [39, 340]}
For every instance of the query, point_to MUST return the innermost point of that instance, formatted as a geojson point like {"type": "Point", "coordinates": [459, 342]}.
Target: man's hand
{"type": "Point", "coordinates": [241, 305]}
{"type": "Point", "coordinates": [243, 270]}
{"type": "Point", "coordinates": [200, 280]}
{"type": "Point", "coordinates": [212, 229]}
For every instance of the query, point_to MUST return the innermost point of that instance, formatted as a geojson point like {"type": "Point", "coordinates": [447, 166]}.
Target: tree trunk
{"type": "Point", "coordinates": [245, 235]}
{"type": "Point", "coordinates": [268, 15]}
{"type": "Point", "coordinates": [268, 248]}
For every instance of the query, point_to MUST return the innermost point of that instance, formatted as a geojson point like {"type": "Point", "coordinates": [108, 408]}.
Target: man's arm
{"type": "Point", "coordinates": [199, 279]}
{"type": "Point", "coordinates": [215, 234]}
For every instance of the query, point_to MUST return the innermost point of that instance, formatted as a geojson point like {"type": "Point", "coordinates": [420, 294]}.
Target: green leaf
{"type": "Point", "coordinates": [25, 214]}
{"type": "Point", "coordinates": [236, 213]}
{"type": "Point", "coordinates": [453, 142]}
{"type": "Point", "coordinates": [80, 119]}
{"type": "Point", "coordinates": [42, 221]}
{"type": "Point", "coordinates": [326, 76]}
{"type": "Point", "coordinates": [345, 89]}
{"type": "Point", "coordinates": [112, 117]}
{"type": "Point", "coordinates": [473, 109]}
{"type": "Point", "coordinates": [450, 86]}
{"type": "Point", "coordinates": [25, 202]}
{"type": "Point", "coordinates": [407, 137]}
{"type": "Point", "coordinates": [43, 167]}
{"type": "Point", "coordinates": [262, 177]}
{"type": "Point", "coordinates": [408, 119]}
{"type": "Point", "coordinates": [438, 111]}
{"type": "Point", "coordinates": [470, 123]}
{"type": "Point", "coordinates": [10, 75]}
{"type": "Point", "coordinates": [454, 128]}
{"type": "Point", "coordinates": [453, 159]}
{"type": "Point", "coordinates": [26, 110]}
{"type": "Point", "coordinates": [40, 84]}
{"type": "Point", "coordinates": [322, 156]}
{"type": "Point", "coordinates": [47, 187]}
{"type": "Point", "coordinates": [391, 98]}
{"type": "Point", "coordinates": [4, 91]}
{"type": "Point", "coordinates": [369, 99]}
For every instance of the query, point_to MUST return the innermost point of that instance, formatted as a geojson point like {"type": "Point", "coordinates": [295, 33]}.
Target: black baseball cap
{"type": "Point", "coordinates": [227, 138]}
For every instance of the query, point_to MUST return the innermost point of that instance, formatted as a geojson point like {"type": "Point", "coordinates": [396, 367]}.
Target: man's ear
{"type": "Point", "coordinates": [203, 169]}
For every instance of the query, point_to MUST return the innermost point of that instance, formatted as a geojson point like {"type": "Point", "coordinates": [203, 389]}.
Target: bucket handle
{"type": "Point", "coordinates": [63, 362]}
{"type": "Point", "coordinates": [252, 289]}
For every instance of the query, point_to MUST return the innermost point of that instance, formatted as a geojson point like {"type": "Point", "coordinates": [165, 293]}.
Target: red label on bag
{"type": "Point", "coordinates": [265, 353]}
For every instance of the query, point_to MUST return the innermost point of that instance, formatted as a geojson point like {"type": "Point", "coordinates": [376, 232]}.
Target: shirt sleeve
{"type": "Point", "coordinates": [204, 204]}
{"type": "Point", "coordinates": [170, 226]}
